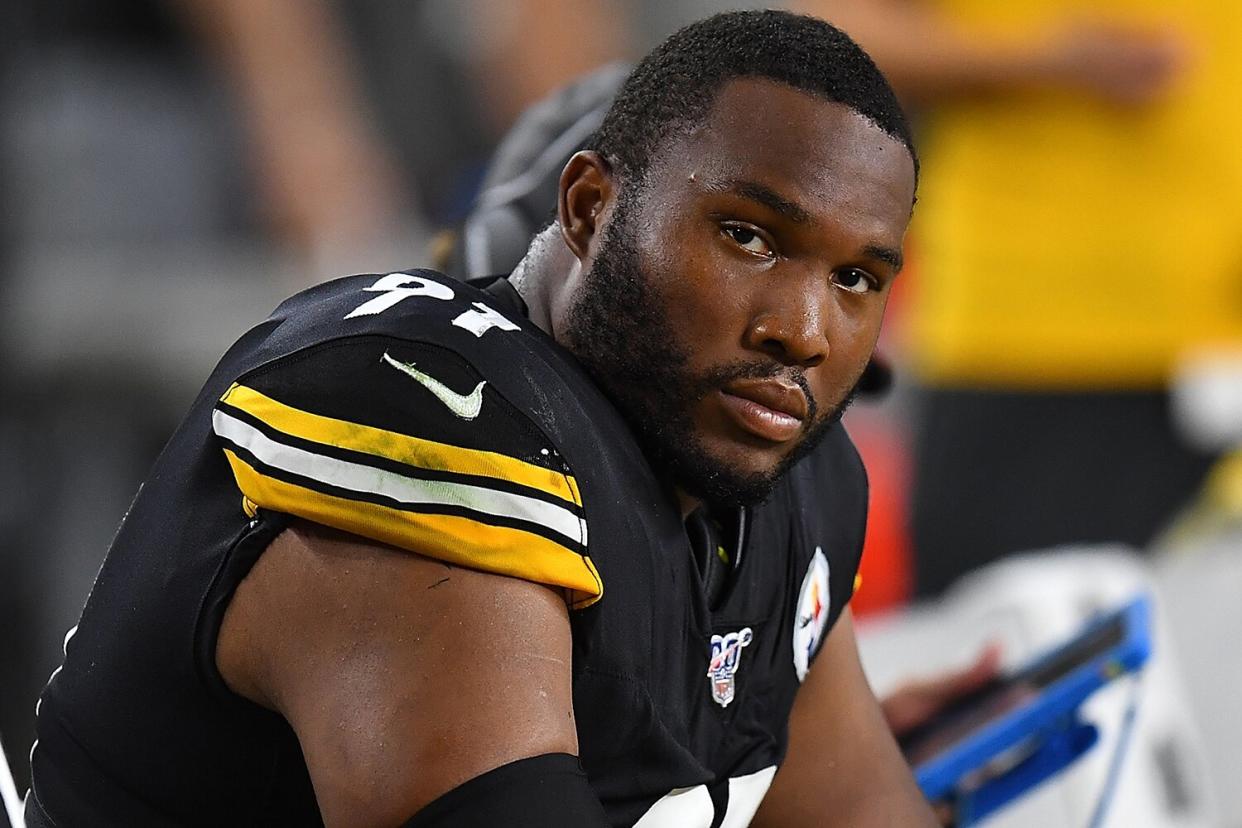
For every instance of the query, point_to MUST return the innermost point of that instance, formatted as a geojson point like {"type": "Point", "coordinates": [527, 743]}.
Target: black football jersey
{"type": "Point", "coordinates": [431, 415]}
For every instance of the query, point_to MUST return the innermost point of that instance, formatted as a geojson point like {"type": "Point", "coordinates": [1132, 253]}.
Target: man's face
{"type": "Point", "coordinates": [731, 302]}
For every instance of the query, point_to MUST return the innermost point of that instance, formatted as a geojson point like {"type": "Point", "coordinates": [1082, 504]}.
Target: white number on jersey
{"type": "Point", "coordinates": [395, 288]}
{"type": "Point", "coordinates": [692, 807]}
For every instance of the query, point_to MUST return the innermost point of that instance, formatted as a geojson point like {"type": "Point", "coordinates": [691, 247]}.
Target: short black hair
{"type": "Point", "coordinates": [674, 86]}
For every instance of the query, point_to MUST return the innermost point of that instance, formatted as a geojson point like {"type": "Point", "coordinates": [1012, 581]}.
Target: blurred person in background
{"type": "Point", "coordinates": [327, 180]}
{"type": "Point", "coordinates": [1078, 237]}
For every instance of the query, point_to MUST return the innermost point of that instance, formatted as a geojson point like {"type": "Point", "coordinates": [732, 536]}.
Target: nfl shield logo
{"type": "Point", "coordinates": [726, 657]}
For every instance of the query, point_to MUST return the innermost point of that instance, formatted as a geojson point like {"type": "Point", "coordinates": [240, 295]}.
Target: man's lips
{"type": "Point", "coordinates": [766, 408]}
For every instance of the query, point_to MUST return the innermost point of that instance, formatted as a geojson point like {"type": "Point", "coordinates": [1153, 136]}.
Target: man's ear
{"type": "Point", "coordinates": [586, 190]}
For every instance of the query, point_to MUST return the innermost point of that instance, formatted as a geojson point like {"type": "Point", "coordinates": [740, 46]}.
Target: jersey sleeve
{"type": "Point", "coordinates": [406, 443]}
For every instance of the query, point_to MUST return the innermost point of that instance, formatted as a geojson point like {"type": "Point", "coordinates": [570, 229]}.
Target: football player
{"type": "Point", "coordinates": [572, 547]}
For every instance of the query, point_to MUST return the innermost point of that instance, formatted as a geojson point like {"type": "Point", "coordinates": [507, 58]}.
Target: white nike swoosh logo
{"type": "Point", "coordinates": [466, 406]}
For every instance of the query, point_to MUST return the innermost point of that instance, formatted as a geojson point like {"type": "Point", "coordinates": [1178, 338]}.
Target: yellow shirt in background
{"type": "Point", "coordinates": [1068, 243]}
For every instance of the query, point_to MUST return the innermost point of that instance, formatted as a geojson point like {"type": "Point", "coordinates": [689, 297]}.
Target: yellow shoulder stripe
{"type": "Point", "coordinates": [413, 451]}
{"type": "Point", "coordinates": [450, 538]}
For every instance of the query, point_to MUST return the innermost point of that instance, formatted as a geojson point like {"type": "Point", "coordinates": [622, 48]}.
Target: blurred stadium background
{"type": "Point", "coordinates": [171, 169]}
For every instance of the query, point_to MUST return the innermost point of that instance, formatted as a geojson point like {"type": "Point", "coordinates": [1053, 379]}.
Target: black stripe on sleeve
{"type": "Point", "coordinates": [415, 508]}
{"type": "Point", "coordinates": [397, 467]}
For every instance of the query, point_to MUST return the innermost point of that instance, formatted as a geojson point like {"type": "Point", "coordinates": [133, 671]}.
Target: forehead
{"type": "Point", "coordinates": [823, 154]}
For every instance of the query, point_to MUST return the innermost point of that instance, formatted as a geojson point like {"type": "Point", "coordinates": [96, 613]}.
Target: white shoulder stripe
{"type": "Point", "coordinates": [356, 477]}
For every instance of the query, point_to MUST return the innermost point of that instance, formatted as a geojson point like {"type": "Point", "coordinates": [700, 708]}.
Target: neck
{"type": "Point", "coordinates": [546, 279]}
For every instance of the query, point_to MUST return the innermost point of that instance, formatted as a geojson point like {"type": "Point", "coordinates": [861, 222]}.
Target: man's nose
{"type": "Point", "coordinates": [791, 325]}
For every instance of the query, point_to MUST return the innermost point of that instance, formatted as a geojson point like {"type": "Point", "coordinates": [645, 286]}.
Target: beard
{"type": "Point", "coordinates": [619, 329]}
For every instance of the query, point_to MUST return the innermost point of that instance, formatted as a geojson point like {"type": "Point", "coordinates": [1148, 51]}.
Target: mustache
{"type": "Point", "coordinates": [714, 378]}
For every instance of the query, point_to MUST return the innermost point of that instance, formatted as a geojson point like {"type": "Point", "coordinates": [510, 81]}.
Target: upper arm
{"type": "Point", "coordinates": [842, 762]}
{"type": "Point", "coordinates": [402, 676]}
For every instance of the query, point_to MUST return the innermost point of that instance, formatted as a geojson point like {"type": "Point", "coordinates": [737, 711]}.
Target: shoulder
{"type": "Point", "coordinates": [454, 327]}
{"type": "Point", "coordinates": [830, 483]}
{"type": "Point", "coordinates": [821, 502]}
{"type": "Point", "coordinates": [828, 498]}
{"type": "Point", "coordinates": [406, 408]}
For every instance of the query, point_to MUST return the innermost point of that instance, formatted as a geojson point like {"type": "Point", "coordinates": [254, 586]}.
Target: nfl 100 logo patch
{"type": "Point", "coordinates": [726, 658]}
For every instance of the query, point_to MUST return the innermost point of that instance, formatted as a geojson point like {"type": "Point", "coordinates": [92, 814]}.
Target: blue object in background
{"type": "Point", "coordinates": [1040, 734]}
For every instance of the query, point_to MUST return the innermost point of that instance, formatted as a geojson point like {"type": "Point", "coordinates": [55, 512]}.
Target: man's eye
{"type": "Point", "coordinates": [853, 280]}
{"type": "Point", "coordinates": [747, 239]}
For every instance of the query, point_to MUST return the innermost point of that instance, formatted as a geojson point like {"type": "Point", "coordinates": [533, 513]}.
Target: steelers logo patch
{"type": "Point", "coordinates": [812, 615]}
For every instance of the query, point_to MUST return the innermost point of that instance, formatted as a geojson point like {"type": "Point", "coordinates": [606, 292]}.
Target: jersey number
{"type": "Point", "coordinates": [395, 288]}
{"type": "Point", "coordinates": [692, 807]}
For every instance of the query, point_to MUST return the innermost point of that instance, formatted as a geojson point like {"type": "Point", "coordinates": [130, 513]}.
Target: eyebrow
{"type": "Point", "coordinates": [887, 255]}
{"type": "Point", "coordinates": [798, 214]}
{"type": "Point", "coordinates": [768, 197]}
